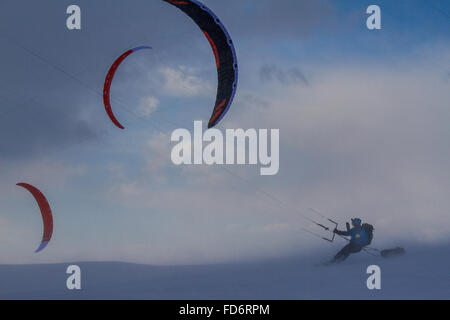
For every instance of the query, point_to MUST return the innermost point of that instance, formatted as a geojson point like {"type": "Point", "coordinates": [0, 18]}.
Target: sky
{"type": "Point", "coordinates": [363, 118]}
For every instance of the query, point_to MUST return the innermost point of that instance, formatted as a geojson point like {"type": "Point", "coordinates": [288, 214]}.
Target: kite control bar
{"type": "Point", "coordinates": [328, 229]}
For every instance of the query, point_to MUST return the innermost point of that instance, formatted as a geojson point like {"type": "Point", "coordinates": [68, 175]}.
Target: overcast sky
{"type": "Point", "coordinates": [363, 118]}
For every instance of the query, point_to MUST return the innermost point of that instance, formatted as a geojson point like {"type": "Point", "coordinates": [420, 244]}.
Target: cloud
{"type": "Point", "coordinates": [158, 154]}
{"type": "Point", "coordinates": [271, 73]}
{"type": "Point", "coordinates": [147, 106]}
{"type": "Point", "coordinates": [35, 128]}
{"type": "Point", "coordinates": [370, 143]}
{"type": "Point", "coordinates": [365, 138]}
{"type": "Point", "coordinates": [183, 82]}
{"type": "Point", "coordinates": [280, 19]}
{"type": "Point", "coordinates": [46, 173]}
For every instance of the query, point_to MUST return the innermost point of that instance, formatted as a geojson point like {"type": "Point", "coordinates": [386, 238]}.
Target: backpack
{"type": "Point", "coordinates": [369, 229]}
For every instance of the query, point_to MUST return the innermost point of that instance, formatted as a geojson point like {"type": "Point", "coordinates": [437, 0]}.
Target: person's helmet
{"type": "Point", "coordinates": [356, 222]}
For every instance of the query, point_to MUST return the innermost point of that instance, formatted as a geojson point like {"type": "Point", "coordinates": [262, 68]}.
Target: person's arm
{"type": "Point", "coordinates": [342, 233]}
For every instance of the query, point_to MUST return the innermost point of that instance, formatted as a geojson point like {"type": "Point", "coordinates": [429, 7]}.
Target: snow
{"type": "Point", "coordinates": [422, 273]}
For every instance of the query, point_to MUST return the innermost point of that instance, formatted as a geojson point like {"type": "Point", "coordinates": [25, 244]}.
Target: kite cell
{"type": "Point", "coordinates": [108, 80]}
{"type": "Point", "coordinates": [223, 49]}
{"type": "Point", "coordinates": [46, 213]}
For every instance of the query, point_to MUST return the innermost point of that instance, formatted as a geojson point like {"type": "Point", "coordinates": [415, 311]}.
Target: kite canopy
{"type": "Point", "coordinates": [46, 213]}
{"type": "Point", "coordinates": [223, 49]}
{"type": "Point", "coordinates": [108, 81]}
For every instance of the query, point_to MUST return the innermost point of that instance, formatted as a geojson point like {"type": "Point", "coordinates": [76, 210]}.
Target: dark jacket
{"type": "Point", "coordinates": [358, 235]}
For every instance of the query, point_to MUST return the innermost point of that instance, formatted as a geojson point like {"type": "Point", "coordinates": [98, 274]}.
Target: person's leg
{"type": "Point", "coordinates": [343, 254]}
{"type": "Point", "coordinates": [355, 249]}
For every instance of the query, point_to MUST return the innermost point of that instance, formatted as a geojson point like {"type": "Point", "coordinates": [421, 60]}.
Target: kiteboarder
{"type": "Point", "coordinates": [361, 236]}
